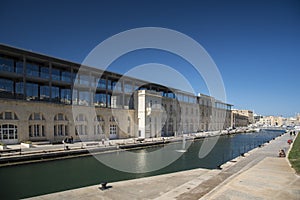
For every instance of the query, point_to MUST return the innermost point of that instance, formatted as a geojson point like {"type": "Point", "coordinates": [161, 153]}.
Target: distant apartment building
{"type": "Point", "coordinates": [271, 121]}
{"type": "Point", "coordinates": [45, 98]}
{"type": "Point", "coordinates": [292, 121]}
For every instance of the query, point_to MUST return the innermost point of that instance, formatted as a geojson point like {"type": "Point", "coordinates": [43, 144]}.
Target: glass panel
{"type": "Point", "coordinates": [6, 88]}
{"type": "Point", "coordinates": [44, 93]}
{"type": "Point", "coordinates": [11, 134]}
{"type": "Point", "coordinates": [32, 91]}
{"type": "Point", "coordinates": [84, 79]}
{"type": "Point", "coordinates": [75, 97]}
{"type": "Point", "coordinates": [45, 72]}
{"type": "Point", "coordinates": [109, 85]}
{"type": "Point", "coordinates": [65, 96]}
{"type": "Point", "coordinates": [5, 133]}
{"type": "Point", "coordinates": [36, 116]}
{"type": "Point", "coordinates": [116, 86]}
{"type": "Point", "coordinates": [128, 88]}
{"type": "Point", "coordinates": [55, 74]}
{"type": "Point", "coordinates": [16, 132]}
{"type": "Point", "coordinates": [66, 76]}
{"type": "Point", "coordinates": [84, 98]}
{"type": "Point", "coordinates": [55, 93]}
{"type": "Point", "coordinates": [6, 64]}
{"type": "Point", "coordinates": [117, 101]}
{"type": "Point", "coordinates": [60, 117]}
{"type": "Point", "coordinates": [8, 115]}
{"type": "Point", "coordinates": [19, 67]}
{"type": "Point", "coordinates": [19, 90]}
{"type": "Point", "coordinates": [102, 84]}
{"type": "Point", "coordinates": [100, 100]}
{"type": "Point", "coordinates": [32, 70]}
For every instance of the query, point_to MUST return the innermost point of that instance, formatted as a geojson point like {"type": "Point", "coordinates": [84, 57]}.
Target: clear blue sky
{"type": "Point", "coordinates": [255, 44]}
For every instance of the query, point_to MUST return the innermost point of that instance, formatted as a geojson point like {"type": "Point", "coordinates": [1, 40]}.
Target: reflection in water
{"type": "Point", "coordinates": [47, 177]}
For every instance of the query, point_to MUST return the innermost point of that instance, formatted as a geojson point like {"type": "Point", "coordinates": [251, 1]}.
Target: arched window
{"type": "Point", "coordinates": [8, 115]}
{"type": "Point", "coordinates": [81, 118]}
{"type": "Point", "coordinates": [81, 125]}
{"type": "Point", "coordinates": [60, 117]}
{"type": "Point", "coordinates": [113, 119]}
{"type": "Point", "coordinates": [60, 125]}
{"type": "Point", "coordinates": [99, 125]}
{"type": "Point", "coordinates": [36, 125]}
{"type": "Point", "coordinates": [99, 118]}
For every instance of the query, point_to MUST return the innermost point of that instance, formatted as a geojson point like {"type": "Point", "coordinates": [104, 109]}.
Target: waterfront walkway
{"type": "Point", "coordinates": [261, 174]}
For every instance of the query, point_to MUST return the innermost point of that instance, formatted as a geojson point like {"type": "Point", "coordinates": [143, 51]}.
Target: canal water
{"type": "Point", "coordinates": [34, 179]}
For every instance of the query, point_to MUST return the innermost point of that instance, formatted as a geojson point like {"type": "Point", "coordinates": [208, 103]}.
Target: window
{"type": "Point", "coordinates": [32, 91]}
{"type": "Point", "coordinates": [101, 84]}
{"type": "Point", "coordinates": [99, 118]}
{"type": "Point", "coordinates": [128, 88]}
{"type": "Point", "coordinates": [32, 70]}
{"type": "Point", "coordinates": [81, 125]}
{"type": "Point", "coordinates": [99, 125]}
{"type": "Point", "coordinates": [45, 72]}
{"type": "Point", "coordinates": [100, 100]}
{"type": "Point", "coordinates": [84, 79]}
{"type": "Point", "coordinates": [19, 67]}
{"type": "Point", "coordinates": [55, 74]}
{"type": "Point", "coordinates": [98, 129]}
{"type": "Point", "coordinates": [36, 130]}
{"type": "Point", "coordinates": [116, 86]}
{"type": "Point", "coordinates": [66, 76]}
{"type": "Point", "coordinates": [36, 116]}
{"type": "Point", "coordinates": [8, 116]}
{"type": "Point", "coordinates": [55, 93]}
{"type": "Point", "coordinates": [8, 132]}
{"type": "Point", "coordinates": [44, 92]}
{"type": "Point", "coordinates": [65, 96]}
{"type": "Point", "coordinates": [19, 90]}
{"type": "Point", "coordinates": [36, 125]}
{"type": "Point", "coordinates": [6, 88]}
{"type": "Point", "coordinates": [113, 129]}
{"type": "Point", "coordinates": [80, 118]}
{"type": "Point", "coordinates": [6, 64]}
{"type": "Point", "coordinates": [60, 130]}
{"type": "Point", "coordinates": [81, 130]}
{"type": "Point", "coordinates": [84, 98]}
{"type": "Point", "coordinates": [112, 119]}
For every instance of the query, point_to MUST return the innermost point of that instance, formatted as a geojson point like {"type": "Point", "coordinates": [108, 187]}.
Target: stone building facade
{"type": "Point", "coordinates": [45, 98]}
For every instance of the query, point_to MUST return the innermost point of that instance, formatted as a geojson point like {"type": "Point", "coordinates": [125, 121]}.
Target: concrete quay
{"type": "Point", "coordinates": [261, 174]}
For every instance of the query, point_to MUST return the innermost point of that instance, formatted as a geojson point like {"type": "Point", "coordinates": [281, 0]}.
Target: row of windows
{"type": "Point", "coordinates": [34, 70]}
{"type": "Point", "coordinates": [10, 131]}
{"type": "Point", "coordinates": [64, 96]}
{"type": "Point", "coordinates": [40, 92]}
{"type": "Point", "coordinates": [8, 115]}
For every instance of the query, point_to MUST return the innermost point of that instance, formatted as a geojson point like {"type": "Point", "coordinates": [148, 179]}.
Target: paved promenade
{"type": "Point", "coordinates": [259, 175]}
